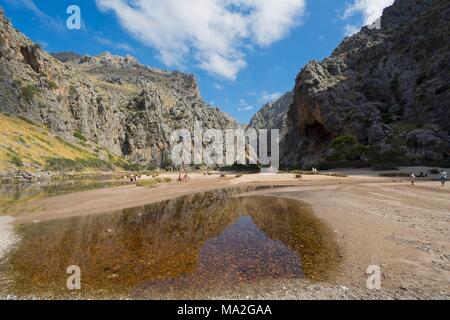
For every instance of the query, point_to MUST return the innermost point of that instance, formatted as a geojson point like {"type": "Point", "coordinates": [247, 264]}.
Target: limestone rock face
{"type": "Point", "coordinates": [389, 88]}
{"type": "Point", "coordinates": [274, 114]}
{"type": "Point", "coordinates": [121, 105]}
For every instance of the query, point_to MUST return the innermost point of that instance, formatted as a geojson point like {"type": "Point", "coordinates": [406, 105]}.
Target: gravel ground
{"type": "Point", "coordinates": [386, 222]}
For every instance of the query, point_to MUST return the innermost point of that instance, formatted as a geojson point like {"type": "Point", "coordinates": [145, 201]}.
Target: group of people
{"type": "Point", "coordinates": [443, 177]}
{"type": "Point", "coordinates": [133, 178]}
{"type": "Point", "coordinates": [183, 178]}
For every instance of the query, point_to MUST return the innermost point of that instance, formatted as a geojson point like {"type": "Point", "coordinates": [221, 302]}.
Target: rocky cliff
{"type": "Point", "coordinates": [273, 115]}
{"type": "Point", "coordinates": [382, 96]}
{"type": "Point", "coordinates": [107, 102]}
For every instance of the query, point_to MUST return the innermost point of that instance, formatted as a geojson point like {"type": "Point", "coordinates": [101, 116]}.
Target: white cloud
{"type": "Point", "coordinates": [371, 10]}
{"type": "Point", "coordinates": [118, 45]}
{"type": "Point", "coordinates": [350, 30]}
{"type": "Point", "coordinates": [214, 33]}
{"type": "Point", "coordinates": [244, 106]}
{"type": "Point", "coordinates": [218, 86]}
{"type": "Point", "coordinates": [270, 97]}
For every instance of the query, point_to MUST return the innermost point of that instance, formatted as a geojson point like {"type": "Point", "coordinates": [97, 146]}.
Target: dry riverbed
{"type": "Point", "coordinates": [376, 221]}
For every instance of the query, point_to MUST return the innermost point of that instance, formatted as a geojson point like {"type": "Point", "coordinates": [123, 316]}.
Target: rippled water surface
{"type": "Point", "coordinates": [200, 242]}
{"type": "Point", "coordinates": [12, 197]}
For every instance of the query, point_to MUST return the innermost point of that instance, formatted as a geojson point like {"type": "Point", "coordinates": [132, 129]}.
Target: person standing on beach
{"type": "Point", "coordinates": [444, 177]}
{"type": "Point", "coordinates": [413, 178]}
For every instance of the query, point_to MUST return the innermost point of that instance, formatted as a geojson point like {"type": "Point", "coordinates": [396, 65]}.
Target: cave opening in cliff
{"type": "Point", "coordinates": [318, 132]}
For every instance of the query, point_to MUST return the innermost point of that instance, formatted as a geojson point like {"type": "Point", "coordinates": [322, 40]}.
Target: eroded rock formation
{"type": "Point", "coordinates": [389, 88]}
{"type": "Point", "coordinates": [116, 102]}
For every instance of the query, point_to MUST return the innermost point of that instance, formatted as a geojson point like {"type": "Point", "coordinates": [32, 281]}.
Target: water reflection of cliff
{"type": "Point", "coordinates": [294, 223]}
{"type": "Point", "coordinates": [193, 241]}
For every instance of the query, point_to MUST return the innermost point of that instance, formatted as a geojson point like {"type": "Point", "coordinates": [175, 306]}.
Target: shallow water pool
{"type": "Point", "coordinates": [208, 241]}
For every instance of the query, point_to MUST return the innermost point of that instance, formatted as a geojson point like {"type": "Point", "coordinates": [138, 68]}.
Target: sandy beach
{"type": "Point", "coordinates": [376, 221]}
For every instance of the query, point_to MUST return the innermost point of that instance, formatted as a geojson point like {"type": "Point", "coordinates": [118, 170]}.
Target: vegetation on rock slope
{"type": "Point", "coordinates": [123, 106]}
{"type": "Point", "coordinates": [30, 147]}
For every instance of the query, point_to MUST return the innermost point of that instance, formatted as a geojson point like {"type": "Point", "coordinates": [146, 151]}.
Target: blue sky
{"type": "Point", "coordinates": [243, 52]}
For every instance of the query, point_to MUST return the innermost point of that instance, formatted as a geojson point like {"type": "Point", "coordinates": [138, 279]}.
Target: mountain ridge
{"type": "Point", "coordinates": [273, 115]}
{"type": "Point", "coordinates": [382, 96]}
{"type": "Point", "coordinates": [114, 102]}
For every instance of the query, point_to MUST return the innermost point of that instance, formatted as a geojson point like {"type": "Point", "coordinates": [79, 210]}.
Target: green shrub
{"type": "Point", "coordinates": [239, 176]}
{"type": "Point", "coordinates": [77, 134]}
{"type": "Point", "coordinates": [21, 140]}
{"type": "Point", "coordinates": [302, 172]}
{"type": "Point", "coordinates": [18, 82]}
{"type": "Point", "coordinates": [36, 137]}
{"type": "Point", "coordinates": [51, 84]}
{"type": "Point", "coordinates": [167, 163]}
{"type": "Point", "coordinates": [133, 167]}
{"type": "Point", "coordinates": [117, 161]}
{"type": "Point", "coordinates": [246, 168]}
{"type": "Point", "coordinates": [29, 92]}
{"type": "Point", "coordinates": [73, 91]}
{"type": "Point", "coordinates": [388, 160]}
{"type": "Point", "coordinates": [152, 182]}
{"type": "Point", "coordinates": [16, 160]}
{"type": "Point", "coordinates": [343, 141]}
{"type": "Point", "coordinates": [151, 166]}
{"type": "Point", "coordinates": [298, 176]}
{"type": "Point", "coordinates": [146, 183]}
{"type": "Point", "coordinates": [346, 148]}
{"type": "Point", "coordinates": [67, 144]}
{"type": "Point", "coordinates": [64, 164]}
{"type": "Point", "coordinates": [94, 163]}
